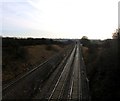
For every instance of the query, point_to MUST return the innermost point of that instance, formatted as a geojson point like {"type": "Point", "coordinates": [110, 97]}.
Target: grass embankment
{"type": "Point", "coordinates": [17, 59]}
{"type": "Point", "coordinates": [102, 69]}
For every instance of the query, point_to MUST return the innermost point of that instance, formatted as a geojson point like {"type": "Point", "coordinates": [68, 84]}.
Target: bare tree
{"type": "Point", "coordinates": [116, 34]}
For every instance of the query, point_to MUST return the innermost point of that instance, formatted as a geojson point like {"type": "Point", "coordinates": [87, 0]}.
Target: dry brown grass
{"type": "Point", "coordinates": [35, 55]}
{"type": "Point", "coordinates": [40, 53]}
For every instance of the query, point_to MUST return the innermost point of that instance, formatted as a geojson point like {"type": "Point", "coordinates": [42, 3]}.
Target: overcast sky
{"type": "Point", "coordinates": [97, 19]}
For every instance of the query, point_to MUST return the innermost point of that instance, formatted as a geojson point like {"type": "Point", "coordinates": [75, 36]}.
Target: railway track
{"type": "Point", "coordinates": [57, 79]}
{"type": "Point", "coordinates": [68, 81]}
{"type": "Point", "coordinates": [27, 85]}
{"type": "Point", "coordinates": [62, 85]}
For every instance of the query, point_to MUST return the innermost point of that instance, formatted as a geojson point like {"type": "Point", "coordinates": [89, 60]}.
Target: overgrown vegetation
{"type": "Point", "coordinates": [19, 55]}
{"type": "Point", "coordinates": [101, 59]}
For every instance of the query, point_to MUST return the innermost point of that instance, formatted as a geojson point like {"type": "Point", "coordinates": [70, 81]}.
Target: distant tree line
{"type": "Point", "coordinates": [7, 41]}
